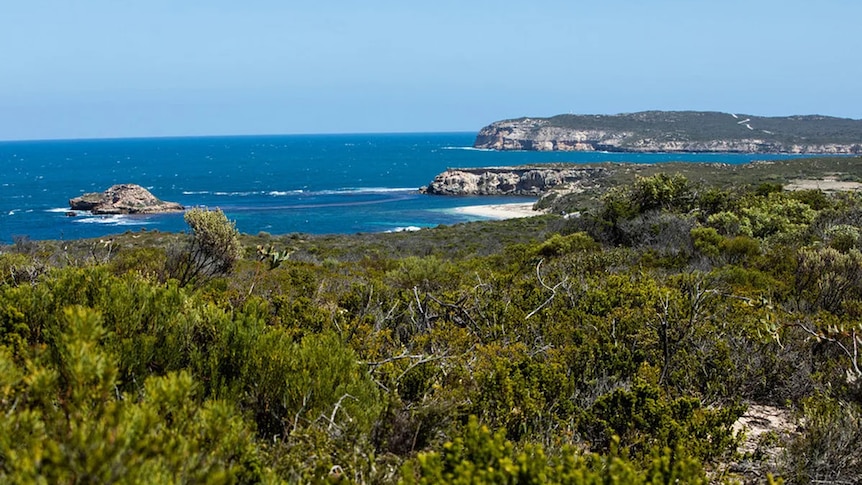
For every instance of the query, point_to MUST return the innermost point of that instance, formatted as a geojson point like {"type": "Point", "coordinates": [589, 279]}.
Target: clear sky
{"type": "Point", "coordinates": [117, 68]}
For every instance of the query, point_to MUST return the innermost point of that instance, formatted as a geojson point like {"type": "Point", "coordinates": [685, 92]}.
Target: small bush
{"type": "Point", "coordinates": [558, 245]}
{"type": "Point", "coordinates": [212, 250]}
{"type": "Point", "coordinates": [829, 450]}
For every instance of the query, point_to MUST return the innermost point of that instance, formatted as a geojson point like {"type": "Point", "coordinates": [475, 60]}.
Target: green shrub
{"type": "Point", "coordinates": [706, 240]}
{"type": "Point", "coordinates": [843, 237]}
{"type": "Point", "coordinates": [145, 261]}
{"type": "Point", "coordinates": [316, 381]}
{"type": "Point", "coordinates": [480, 456]}
{"type": "Point", "coordinates": [66, 422]}
{"type": "Point", "coordinates": [645, 420]}
{"type": "Point", "coordinates": [558, 245]}
{"type": "Point", "coordinates": [426, 274]}
{"type": "Point", "coordinates": [729, 224]}
{"type": "Point", "coordinates": [662, 191]}
{"type": "Point", "coordinates": [16, 269]}
{"type": "Point", "coordinates": [829, 449]}
{"type": "Point", "coordinates": [213, 249]}
{"type": "Point", "coordinates": [739, 249]}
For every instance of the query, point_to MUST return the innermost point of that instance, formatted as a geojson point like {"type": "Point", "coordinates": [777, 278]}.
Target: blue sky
{"type": "Point", "coordinates": [110, 68]}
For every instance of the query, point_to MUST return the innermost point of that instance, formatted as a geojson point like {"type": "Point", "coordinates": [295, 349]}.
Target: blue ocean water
{"type": "Point", "coordinates": [315, 184]}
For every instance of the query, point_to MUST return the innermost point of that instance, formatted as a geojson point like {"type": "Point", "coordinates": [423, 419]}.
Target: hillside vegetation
{"type": "Point", "coordinates": [712, 125]}
{"type": "Point", "coordinates": [619, 346]}
{"type": "Point", "coordinates": [790, 172]}
{"type": "Point", "coordinates": [676, 131]}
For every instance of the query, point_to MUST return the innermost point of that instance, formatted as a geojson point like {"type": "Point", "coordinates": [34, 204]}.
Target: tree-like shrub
{"type": "Point", "coordinates": [213, 249]}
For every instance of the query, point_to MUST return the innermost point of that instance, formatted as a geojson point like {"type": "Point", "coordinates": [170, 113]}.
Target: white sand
{"type": "Point", "coordinates": [500, 211]}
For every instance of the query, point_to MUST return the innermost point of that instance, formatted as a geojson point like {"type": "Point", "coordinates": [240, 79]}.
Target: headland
{"type": "Point", "coordinates": [677, 132]}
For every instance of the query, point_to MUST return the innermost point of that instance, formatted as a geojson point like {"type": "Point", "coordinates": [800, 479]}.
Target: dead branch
{"type": "Point", "coordinates": [553, 289]}
{"type": "Point", "coordinates": [335, 409]}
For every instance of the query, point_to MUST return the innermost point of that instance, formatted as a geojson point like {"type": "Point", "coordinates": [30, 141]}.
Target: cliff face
{"type": "Point", "coordinates": [677, 132]}
{"type": "Point", "coordinates": [511, 181]}
{"type": "Point", "coordinates": [123, 199]}
{"type": "Point", "coordinates": [533, 134]}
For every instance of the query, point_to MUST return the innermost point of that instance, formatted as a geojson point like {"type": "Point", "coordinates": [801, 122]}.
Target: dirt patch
{"type": "Point", "coordinates": [828, 184]}
{"type": "Point", "coordinates": [758, 421]}
{"type": "Point", "coordinates": [767, 430]}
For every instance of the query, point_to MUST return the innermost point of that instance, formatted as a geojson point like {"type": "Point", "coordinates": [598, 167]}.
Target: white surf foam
{"type": "Point", "coordinates": [112, 220]}
{"type": "Point", "coordinates": [376, 190]}
{"type": "Point", "coordinates": [405, 229]}
{"type": "Point", "coordinates": [472, 149]}
{"type": "Point", "coordinates": [282, 193]}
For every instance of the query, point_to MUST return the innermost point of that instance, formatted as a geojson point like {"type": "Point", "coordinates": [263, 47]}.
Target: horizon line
{"type": "Point", "coordinates": [245, 135]}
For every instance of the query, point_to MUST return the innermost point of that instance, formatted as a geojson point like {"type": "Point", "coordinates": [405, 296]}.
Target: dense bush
{"type": "Point", "coordinates": [618, 350]}
{"type": "Point", "coordinates": [213, 248]}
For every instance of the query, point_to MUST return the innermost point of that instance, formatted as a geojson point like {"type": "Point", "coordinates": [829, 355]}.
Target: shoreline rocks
{"type": "Point", "coordinates": [526, 181]}
{"type": "Point", "coordinates": [123, 199]}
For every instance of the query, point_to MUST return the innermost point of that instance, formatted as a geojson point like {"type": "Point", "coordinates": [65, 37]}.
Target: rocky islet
{"type": "Point", "coordinates": [123, 199]}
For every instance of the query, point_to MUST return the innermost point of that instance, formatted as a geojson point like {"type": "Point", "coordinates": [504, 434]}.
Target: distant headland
{"type": "Point", "coordinates": [676, 132]}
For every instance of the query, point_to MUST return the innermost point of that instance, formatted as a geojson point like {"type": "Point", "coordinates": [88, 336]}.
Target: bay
{"type": "Point", "coordinates": [317, 184]}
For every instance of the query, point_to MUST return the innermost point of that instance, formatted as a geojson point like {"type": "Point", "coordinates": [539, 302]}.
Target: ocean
{"type": "Point", "coordinates": [316, 184]}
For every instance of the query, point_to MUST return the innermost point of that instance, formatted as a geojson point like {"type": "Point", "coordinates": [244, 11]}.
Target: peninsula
{"type": "Point", "coordinates": [676, 132]}
{"type": "Point", "coordinates": [523, 181]}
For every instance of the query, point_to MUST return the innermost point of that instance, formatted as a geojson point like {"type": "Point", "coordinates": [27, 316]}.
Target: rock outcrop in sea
{"type": "Point", "coordinates": [123, 199]}
{"type": "Point", "coordinates": [527, 181]}
{"type": "Point", "coordinates": [676, 132]}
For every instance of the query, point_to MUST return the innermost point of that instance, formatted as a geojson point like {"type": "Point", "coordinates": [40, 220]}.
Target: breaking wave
{"type": "Point", "coordinates": [114, 220]}
{"type": "Point", "coordinates": [405, 229]}
{"type": "Point", "coordinates": [472, 149]}
{"type": "Point", "coordinates": [304, 192]}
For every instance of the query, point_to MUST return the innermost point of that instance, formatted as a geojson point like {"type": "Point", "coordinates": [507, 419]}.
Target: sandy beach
{"type": "Point", "coordinates": [500, 211]}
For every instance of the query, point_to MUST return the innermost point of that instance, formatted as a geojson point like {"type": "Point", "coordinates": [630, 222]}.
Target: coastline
{"type": "Point", "coordinates": [500, 211]}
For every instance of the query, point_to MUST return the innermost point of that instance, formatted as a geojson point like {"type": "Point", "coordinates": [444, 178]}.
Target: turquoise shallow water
{"type": "Point", "coordinates": [279, 184]}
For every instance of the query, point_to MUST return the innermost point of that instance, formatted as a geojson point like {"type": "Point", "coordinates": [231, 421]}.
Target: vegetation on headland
{"type": "Point", "coordinates": [614, 347]}
{"type": "Point", "coordinates": [719, 175]}
{"type": "Point", "coordinates": [712, 125]}
{"type": "Point", "coordinates": [676, 131]}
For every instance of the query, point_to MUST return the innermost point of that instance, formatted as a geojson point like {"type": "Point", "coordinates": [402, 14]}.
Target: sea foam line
{"type": "Point", "coordinates": [378, 190]}
{"type": "Point", "coordinates": [113, 220]}
{"type": "Point", "coordinates": [346, 190]}
{"type": "Point", "coordinates": [303, 192]}
{"type": "Point", "coordinates": [405, 229]}
{"type": "Point", "coordinates": [282, 193]}
{"type": "Point", "coordinates": [472, 149]}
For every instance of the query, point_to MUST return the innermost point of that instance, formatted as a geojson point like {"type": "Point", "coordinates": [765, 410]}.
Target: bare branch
{"type": "Point", "coordinates": [335, 410]}
{"type": "Point", "coordinates": [296, 416]}
{"type": "Point", "coordinates": [853, 356]}
{"type": "Point", "coordinates": [553, 289]}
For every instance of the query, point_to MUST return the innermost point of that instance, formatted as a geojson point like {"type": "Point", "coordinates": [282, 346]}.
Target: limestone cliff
{"type": "Point", "coordinates": [527, 181]}
{"type": "Point", "coordinates": [123, 199]}
{"type": "Point", "coordinates": [676, 131]}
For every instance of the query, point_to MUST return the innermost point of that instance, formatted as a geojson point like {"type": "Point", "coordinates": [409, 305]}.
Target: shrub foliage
{"type": "Point", "coordinates": [620, 349]}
